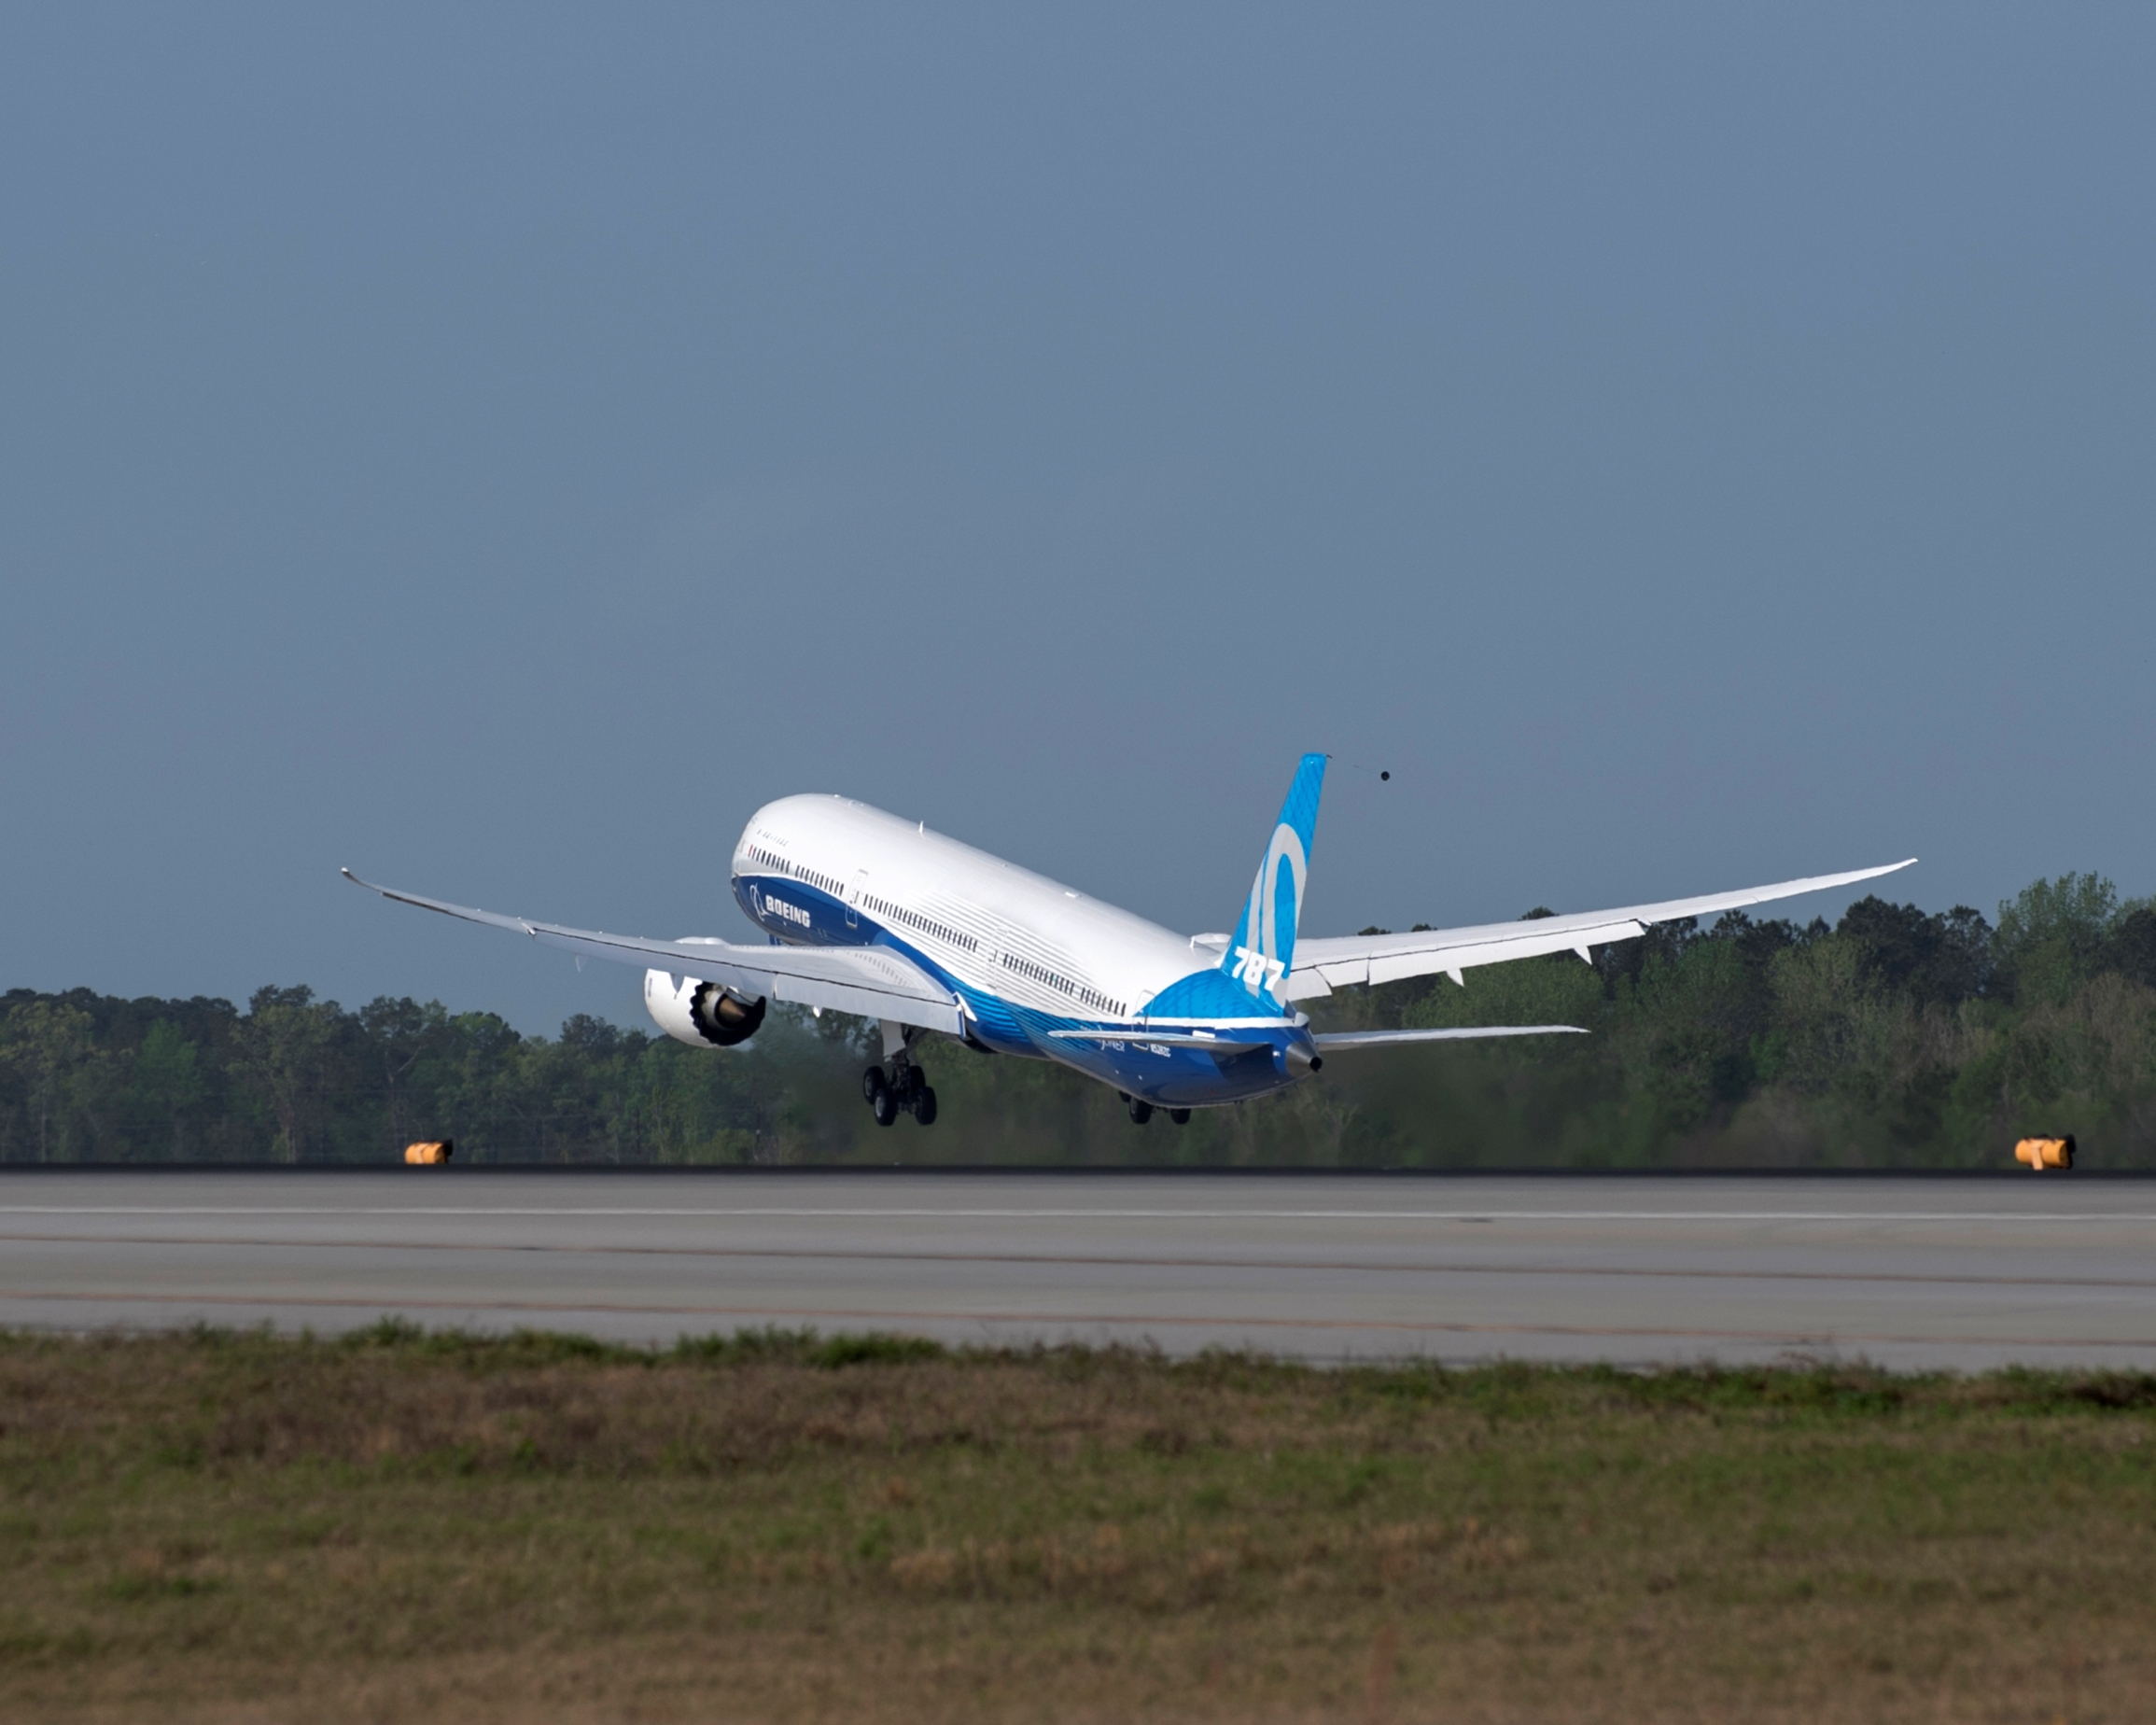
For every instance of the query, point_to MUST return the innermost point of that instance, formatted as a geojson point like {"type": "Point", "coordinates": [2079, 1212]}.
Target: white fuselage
{"type": "Point", "coordinates": [990, 925]}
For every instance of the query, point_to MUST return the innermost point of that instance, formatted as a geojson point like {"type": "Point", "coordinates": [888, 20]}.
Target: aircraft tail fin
{"type": "Point", "coordinates": [1263, 949]}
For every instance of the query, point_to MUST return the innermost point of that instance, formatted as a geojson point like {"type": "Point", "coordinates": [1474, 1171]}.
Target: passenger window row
{"type": "Point", "coordinates": [1077, 990]}
{"type": "Point", "coordinates": [927, 925]}
{"type": "Point", "coordinates": [771, 859]}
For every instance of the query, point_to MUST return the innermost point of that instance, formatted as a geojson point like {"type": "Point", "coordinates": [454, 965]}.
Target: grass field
{"type": "Point", "coordinates": [404, 1526]}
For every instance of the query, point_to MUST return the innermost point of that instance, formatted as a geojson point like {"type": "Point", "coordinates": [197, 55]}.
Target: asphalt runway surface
{"type": "Point", "coordinates": [2045, 1271]}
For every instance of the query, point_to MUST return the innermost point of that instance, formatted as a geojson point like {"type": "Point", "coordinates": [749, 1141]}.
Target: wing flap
{"type": "Point", "coordinates": [871, 981]}
{"type": "Point", "coordinates": [1531, 942]}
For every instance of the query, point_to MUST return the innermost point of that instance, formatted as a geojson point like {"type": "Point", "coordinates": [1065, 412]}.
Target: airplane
{"type": "Point", "coordinates": [867, 913]}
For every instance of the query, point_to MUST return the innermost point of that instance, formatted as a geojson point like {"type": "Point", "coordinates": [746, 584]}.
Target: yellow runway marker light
{"type": "Point", "coordinates": [2042, 1152]}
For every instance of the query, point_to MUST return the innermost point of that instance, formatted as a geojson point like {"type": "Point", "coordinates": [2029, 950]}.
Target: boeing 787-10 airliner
{"type": "Point", "coordinates": [865, 914]}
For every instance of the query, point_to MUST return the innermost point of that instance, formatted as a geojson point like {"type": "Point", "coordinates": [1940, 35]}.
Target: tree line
{"type": "Point", "coordinates": [1894, 1037]}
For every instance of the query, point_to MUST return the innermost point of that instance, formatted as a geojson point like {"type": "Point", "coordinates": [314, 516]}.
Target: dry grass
{"type": "Point", "coordinates": [406, 1526]}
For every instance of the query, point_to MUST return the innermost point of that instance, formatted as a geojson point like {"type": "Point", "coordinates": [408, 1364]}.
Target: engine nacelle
{"type": "Point", "coordinates": [701, 1014]}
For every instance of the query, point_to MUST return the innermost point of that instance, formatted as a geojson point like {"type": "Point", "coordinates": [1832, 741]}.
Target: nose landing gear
{"type": "Point", "coordinates": [903, 1089]}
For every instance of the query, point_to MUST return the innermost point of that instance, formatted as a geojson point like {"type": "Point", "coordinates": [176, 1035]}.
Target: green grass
{"type": "Point", "coordinates": [404, 1523]}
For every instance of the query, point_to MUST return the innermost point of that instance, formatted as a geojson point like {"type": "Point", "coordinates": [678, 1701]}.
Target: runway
{"type": "Point", "coordinates": [1911, 1273]}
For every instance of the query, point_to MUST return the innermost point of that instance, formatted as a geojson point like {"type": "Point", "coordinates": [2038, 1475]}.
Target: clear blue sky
{"type": "Point", "coordinates": [498, 448]}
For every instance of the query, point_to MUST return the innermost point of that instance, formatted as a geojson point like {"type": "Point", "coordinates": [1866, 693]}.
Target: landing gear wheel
{"type": "Point", "coordinates": [1180, 1115]}
{"type": "Point", "coordinates": [925, 1106]}
{"type": "Point", "coordinates": [885, 1107]}
{"type": "Point", "coordinates": [872, 1084]}
{"type": "Point", "coordinates": [1139, 1112]}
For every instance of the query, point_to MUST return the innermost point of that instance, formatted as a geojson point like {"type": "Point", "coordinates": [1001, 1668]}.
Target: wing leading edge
{"type": "Point", "coordinates": [872, 981]}
{"type": "Point", "coordinates": [1323, 965]}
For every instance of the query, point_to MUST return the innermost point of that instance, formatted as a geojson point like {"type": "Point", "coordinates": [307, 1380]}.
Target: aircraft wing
{"type": "Point", "coordinates": [1322, 965]}
{"type": "Point", "coordinates": [872, 981]}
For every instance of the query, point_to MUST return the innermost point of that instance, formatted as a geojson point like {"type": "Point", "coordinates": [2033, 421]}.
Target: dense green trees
{"type": "Point", "coordinates": [1897, 1036]}
{"type": "Point", "coordinates": [295, 1079]}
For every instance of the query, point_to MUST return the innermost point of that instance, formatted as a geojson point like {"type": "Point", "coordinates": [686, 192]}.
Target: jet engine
{"type": "Point", "coordinates": [701, 1014]}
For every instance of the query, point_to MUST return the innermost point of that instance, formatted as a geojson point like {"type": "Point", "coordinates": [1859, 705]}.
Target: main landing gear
{"type": "Point", "coordinates": [1141, 1112]}
{"type": "Point", "coordinates": [903, 1089]}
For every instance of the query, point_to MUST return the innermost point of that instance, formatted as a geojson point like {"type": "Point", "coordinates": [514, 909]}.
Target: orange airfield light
{"type": "Point", "coordinates": [2042, 1152]}
{"type": "Point", "coordinates": [429, 1155]}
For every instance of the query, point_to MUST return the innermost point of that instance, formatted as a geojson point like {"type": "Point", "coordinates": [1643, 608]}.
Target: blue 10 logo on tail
{"type": "Point", "coordinates": [1263, 946]}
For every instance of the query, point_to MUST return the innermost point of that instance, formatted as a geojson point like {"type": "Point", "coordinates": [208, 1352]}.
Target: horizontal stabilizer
{"type": "Point", "coordinates": [1380, 1039]}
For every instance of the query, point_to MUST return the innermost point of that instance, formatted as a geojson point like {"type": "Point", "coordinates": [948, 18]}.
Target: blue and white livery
{"type": "Point", "coordinates": [866, 913]}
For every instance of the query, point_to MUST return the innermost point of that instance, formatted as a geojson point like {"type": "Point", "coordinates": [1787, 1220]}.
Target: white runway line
{"type": "Point", "coordinates": [854, 1254]}
{"type": "Point", "coordinates": [883, 1214]}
